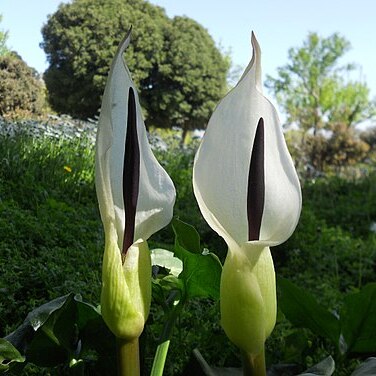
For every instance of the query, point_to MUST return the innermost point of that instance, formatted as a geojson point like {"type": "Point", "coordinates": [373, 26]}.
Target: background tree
{"type": "Point", "coordinates": [191, 79]}
{"type": "Point", "coordinates": [369, 137]}
{"type": "Point", "coordinates": [314, 94]}
{"type": "Point", "coordinates": [174, 63]}
{"type": "Point", "coordinates": [80, 40]}
{"type": "Point", "coordinates": [21, 90]}
{"type": "Point", "coordinates": [3, 41]}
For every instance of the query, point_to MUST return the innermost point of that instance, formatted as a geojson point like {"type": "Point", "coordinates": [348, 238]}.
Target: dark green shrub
{"type": "Point", "coordinates": [178, 71]}
{"type": "Point", "coordinates": [21, 91]}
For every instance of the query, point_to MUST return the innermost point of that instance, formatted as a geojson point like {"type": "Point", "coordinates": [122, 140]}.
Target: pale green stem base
{"type": "Point", "coordinates": [164, 341]}
{"type": "Point", "coordinates": [128, 357]}
{"type": "Point", "coordinates": [160, 359]}
{"type": "Point", "coordinates": [254, 365]}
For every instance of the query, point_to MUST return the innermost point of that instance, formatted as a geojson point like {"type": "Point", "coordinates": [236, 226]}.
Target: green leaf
{"type": "Point", "coordinates": [366, 368]}
{"type": "Point", "coordinates": [86, 313]}
{"type": "Point", "coordinates": [324, 368]}
{"type": "Point", "coordinates": [295, 344]}
{"type": "Point", "coordinates": [95, 335]}
{"type": "Point", "coordinates": [358, 320]}
{"type": "Point", "coordinates": [201, 271]}
{"type": "Point", "coordinates": [201, 274]}
{"type": "Point", "coordinates": [40, 315]}
{"type": "Point", "coordinates": [24, 334]}
{"type": "Point", "coordinates": [53, 333]}
{"type": "Point", "coordinates": [187, 236]}
{"type": "Point", "coordinates": [302, 310]}
{"type": "Point", "coordinates": [56, 340]}
{"type": "Point", "coordinates": [166, 259]}
{"type": "Point", "coordinates": [8, 355]}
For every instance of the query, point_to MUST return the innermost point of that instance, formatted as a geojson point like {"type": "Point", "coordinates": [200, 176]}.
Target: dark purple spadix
{"type": "Point", "coordinates": [131, 174]}
{"type": "Point", "coordinates": [256, 184]}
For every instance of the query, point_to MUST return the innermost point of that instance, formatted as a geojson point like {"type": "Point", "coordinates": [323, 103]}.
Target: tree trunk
{"type": "Point", "coordinates": [184, 135]}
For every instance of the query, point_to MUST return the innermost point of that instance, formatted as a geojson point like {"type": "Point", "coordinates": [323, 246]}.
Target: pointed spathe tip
{"type": "Point", "coordinates": [255, 44]}
{"type": "Point", "coordinates": [255, 62]}
{"type": "Point", "coordinates": [120, 50]}
{"type": "Point", "coordinates": [123, 45]}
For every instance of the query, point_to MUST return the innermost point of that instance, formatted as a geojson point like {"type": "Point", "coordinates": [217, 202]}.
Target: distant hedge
{"type": "Point", "coordinates": [21, 91]}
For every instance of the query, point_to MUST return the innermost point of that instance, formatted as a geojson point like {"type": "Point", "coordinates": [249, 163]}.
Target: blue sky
{"type": "Point", "coordinates": [278, 25]}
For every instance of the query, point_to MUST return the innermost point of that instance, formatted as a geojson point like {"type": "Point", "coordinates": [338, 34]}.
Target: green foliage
{"type": "Point", "coordinates": [369, 137]}
{"type": "Point", "coordinates": [175, 65]}
{"type": "Point", "coordinates": [340, 151]}
{"type": "Point", "coordinates": [4, 50]}
{"type": "Point", "coordinates": [358, 321]}
{"type": "Point", "coordinates": [351, 207]}
{"type": "Point", "coordinates": [311, 88]}
{"type": "Point", "coordinates": [52, 244]}
{"type": "Point", "coordinates": [202, 270]}
{"type": "Point", "coordinates": [178, 162]}
{"type": "Point", "coordinates": [8, 355]}
{"type": "Point", "coordinates": [302, 309]}
{"type": "Point", "coordinates": [191, 79]}
{"type": "Point", "coordinates": [351, 331]}
{"type": "Point", "coordinates": [313, 93]}
{"type": "Point", "coordinates": [332, 253]}
{"type": "Point", "coordinates": [49, 226]}
{"type": "Point", "coordinates": [343, 261]}
{"type": "Point", "coordinates": [65, 333]}
{"type": "Point", "coordinates": [80, 40]}
{"type": "Point", "coordinates": [21, 91]}
{"type": "Point", "coordinates": [199, 278]}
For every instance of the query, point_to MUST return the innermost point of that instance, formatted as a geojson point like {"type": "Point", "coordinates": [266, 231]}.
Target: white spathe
{"type": "Point", "coordinates": [220, 181]}
{"type": "Point", "coordinates": [126, 283]}
{"type": "Point", "coordinates": [156, 191]}
{"type": "Point", "coordinates": [220, 173]}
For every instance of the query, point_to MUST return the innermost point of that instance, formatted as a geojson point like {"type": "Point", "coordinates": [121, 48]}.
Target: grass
{"type": "Point", "coordinates": [51, 243]}
{"type": "Point", "coordinates": [51, 240]}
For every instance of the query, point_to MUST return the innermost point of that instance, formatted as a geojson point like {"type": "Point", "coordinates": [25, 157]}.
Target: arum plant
{"type": "Point", "coordinates": [136, 198]}
{"type": "Point", "coordinates": [248, 191]}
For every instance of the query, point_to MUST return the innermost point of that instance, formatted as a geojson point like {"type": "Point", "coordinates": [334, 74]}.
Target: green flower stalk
{"type": "Point", "coordinates": [248, 191]}
{"type": "Point", "coordinates": [136, 198]}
